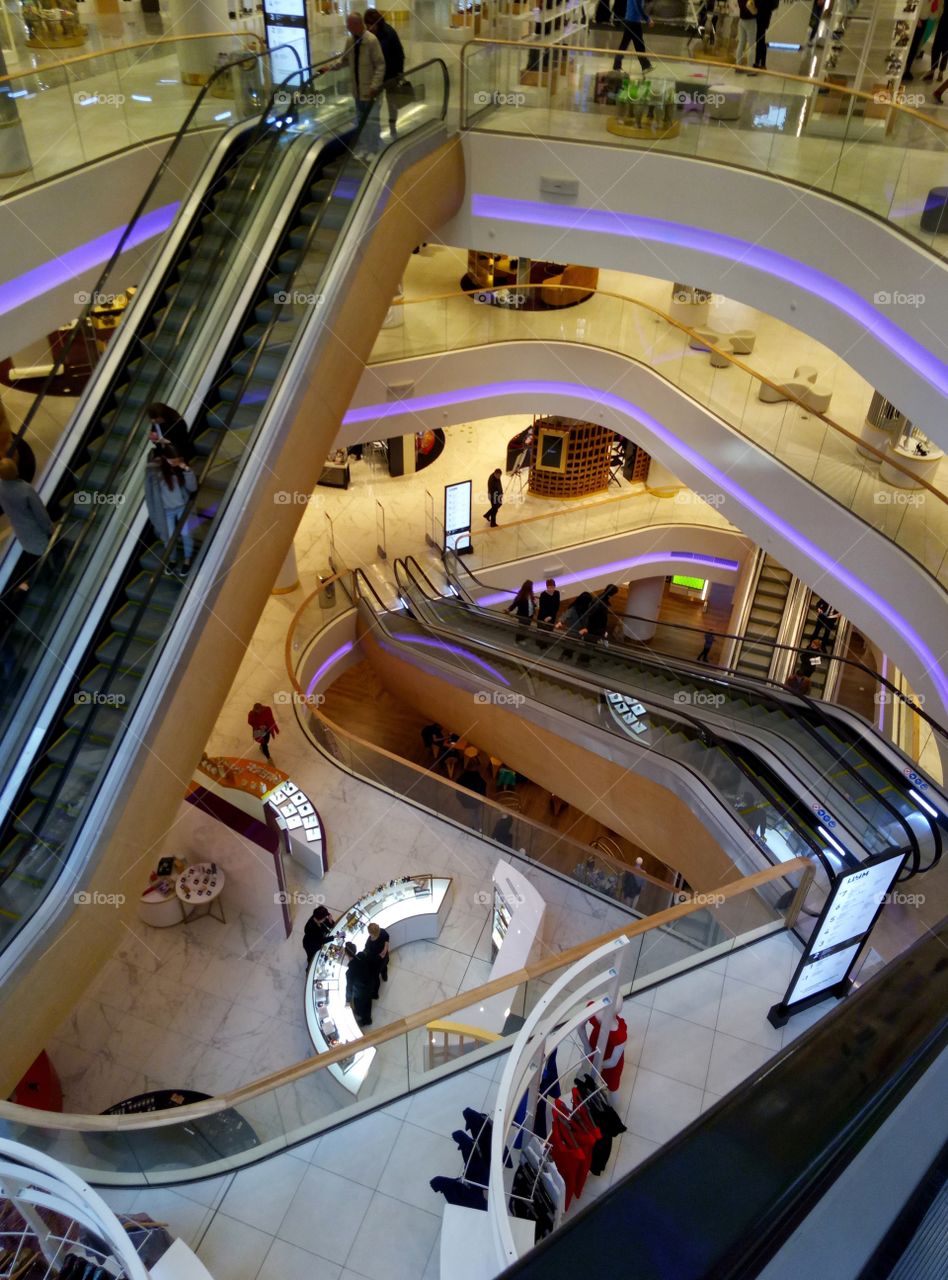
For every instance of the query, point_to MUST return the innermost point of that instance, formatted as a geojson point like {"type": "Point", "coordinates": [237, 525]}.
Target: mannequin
{"type": "Point", "coordinates": [613, 1055]}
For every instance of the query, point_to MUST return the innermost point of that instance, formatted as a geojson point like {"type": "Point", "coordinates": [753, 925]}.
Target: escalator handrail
{"type": "Point", "coordinates": [451, 558]}
{"type": "Point", "coordinates": [136, 215]}
{"type": "Point", "coordinates": [169, 546]}
{"type": "Point", "coordinates": [645, 657]}
{"type": "Point", "coordinates": [791, 804]}
{"type": "Point", "coordinates": [59, 595]}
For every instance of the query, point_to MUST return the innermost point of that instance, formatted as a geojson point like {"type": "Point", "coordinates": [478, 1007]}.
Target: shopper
{"type": "Point", "coordinates": [178, 484]}
{"type": "Point", "coordinates": [18, 451]}
{"type": "Point", "coordinates": [366, 62]}
{"type": "Point", "coordinates": [799, 683]}
{"type": "Point", "coordinates": [929, 15]}
{"type": "Point", "coordinates": [548, 606]}
{"type": "Point", "coordinates": [432, 735]}
{"type": "Point", "coordinates": [705, 654]}
{"type": "Point", "coordinates": [317, 932]}
{"type": "Point", "coordinates": [746, 32]}
{"type": "Point", "coordinates": [574, 621]}
{"type": "Point", "coordinates": [826, 620]}
{"type": "Point", "coordinates": [811, 658]}
{"type": "Point", "coordinates": [524, 606]}
{"type": "Point", "coordinates": [28, 517]}
{"type": "Point", "coordinates": [631, 885]}
{"type": "Point", "coordinates": [263, 724]}
{"type": "Point", "coordinates": [631, 25]}
{"type": "Point", "coordinates": [377, 949]}
{"type": "Point", "coordinates": [167, 427]}
{"type": "Point", "coordinates": [360, 980]}
{"type": "Point", "coordinates": [939, 49]}
{"type": "Point", "coordinates": [596, 627]}
{"type": "Point", "coordinates": [394, 55]}
{"type": "Point", "coordinates": [495, 496]}
{"type": "Point", "coordinates": [765, 11]}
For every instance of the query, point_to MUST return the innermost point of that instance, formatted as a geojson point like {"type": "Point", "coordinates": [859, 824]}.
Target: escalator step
{"type": "Point", "coordinates": [255, 392]}
{"type": "Point", "coordinates": [28, 858]}
{"type": "Point", "coordinates": [165, 596]}
{"type": "Point", "coordinates": [72, 785]}
{"type": "Point", "coordinates": [137, 652]}
{"type": "Point", "coordinates": [240, 417]}
{"type": "Point", "coordinates": [123, 685]}
{"type": "Point", "coordinates": [150, 626]}
{"type": "Point", "coordinates": [280, 336]}
{"type": "Point", "coordinates": [53, 825]}
{"type": "Point", "coordinates": [90, 756]}
{"type": "Point", "coordinates": [267, 367]}
{"type": "Point", "coordinates": [101, 727]}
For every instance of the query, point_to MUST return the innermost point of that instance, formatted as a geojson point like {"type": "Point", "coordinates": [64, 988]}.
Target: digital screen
{"type": "Point", "coordinates": [551, 455]}
{"type": "Point", "coordinates": [696, 584]}
{"type": "Point", "coordinates": [285, 9]}
{"type": "Point", "coordinates": [457, 516]}
{"type": "Point", "coordinates": [854, 904]}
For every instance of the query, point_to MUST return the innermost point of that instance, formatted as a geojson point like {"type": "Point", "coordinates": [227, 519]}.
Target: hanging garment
{"type": "Point", "coordinates": [476, 1164]}
{"type": "Point", "coordinates": [568, 1156]}
{"type": "Point", "coordinates": [587, 1136]}
{"type": "Point", "coordinates": [549, 1089]}
{"type": "Point", "coordinates": [613, 1057]}
{"type": "Point", "coordinates": [456, 1191]}
{"type": "Point", "coordinates": [529, 1199]}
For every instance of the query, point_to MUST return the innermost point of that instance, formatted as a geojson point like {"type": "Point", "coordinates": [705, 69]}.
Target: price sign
{"type": "Point", "coordinates": [457, 517]}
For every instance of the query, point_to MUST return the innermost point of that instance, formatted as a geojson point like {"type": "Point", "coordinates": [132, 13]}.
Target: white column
{"type": "Point", "coordinates": [288, 579]}
{"type": "Point", "coordinates": [198, 58]}
{"type": "Point", "coordinates": [14, 155]}
{"type": "Point", "coordinates": [660, 482]}
{"type": "Point", "coordinates": [645, 600]}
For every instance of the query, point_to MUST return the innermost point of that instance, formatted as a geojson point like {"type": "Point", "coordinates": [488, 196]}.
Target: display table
{"type": "Point", "coordinates": [199, 889]}
{"type": "Point", "coordinates": [295, 815]}
{"type": "Point", "coordinates": [159, 905]}
{"type": "Point", "coordinates": [411, 909]}
{"type": "Point", "coordinates": [922, 466]}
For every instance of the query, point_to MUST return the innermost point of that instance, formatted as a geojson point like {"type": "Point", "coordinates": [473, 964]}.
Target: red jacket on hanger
{"type": "Point", "coordinates": [614, 1051]}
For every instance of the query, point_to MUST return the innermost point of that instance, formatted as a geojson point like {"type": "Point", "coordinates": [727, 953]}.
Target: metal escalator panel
{"type": "Point", "coordinates": [95, 499]}
{"type": "Point", "coordinates": [764, 619]}
{"type": "Point", "coordinates": [112, 673]}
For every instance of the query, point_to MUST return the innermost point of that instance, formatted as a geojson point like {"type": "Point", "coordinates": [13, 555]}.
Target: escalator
{"type": "Point", "coordinates": [758, 819]}
{"type": "Point", "coordinates": [316, 184]}
{"type": "Point", "coordinates": [764, 619]}
{"type": "Point", "coordinates": [868, 797]}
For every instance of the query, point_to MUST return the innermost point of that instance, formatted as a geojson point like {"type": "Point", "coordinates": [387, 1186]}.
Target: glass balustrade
{"type": "Point", "coordinates": [881, 156]}
{"type": "Point", "coordinates": [812, 444]}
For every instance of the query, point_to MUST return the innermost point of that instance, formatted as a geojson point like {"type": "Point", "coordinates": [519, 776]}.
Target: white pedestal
{"type": "Point", "coordinates": [878, 437]}
{"type": "Point", "coordinates": [467, 1243]}
{"type": "Point", "coordinates": [924, 468]}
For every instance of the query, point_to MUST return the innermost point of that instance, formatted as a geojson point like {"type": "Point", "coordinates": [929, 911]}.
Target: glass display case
{"type": "Point", "coordinates": [410, 909]}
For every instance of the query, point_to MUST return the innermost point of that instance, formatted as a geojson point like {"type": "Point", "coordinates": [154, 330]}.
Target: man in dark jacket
{"type": "Point", "coordinates": [317, 932]}
{"type": "Point", "coordinates": [394, 56]}
{"type": "Point", "coordinates": [360, 983]}
{"type": "Point", "coordinates": [495, 495]}
{"type": "Point", "coordinates": [765, 11]}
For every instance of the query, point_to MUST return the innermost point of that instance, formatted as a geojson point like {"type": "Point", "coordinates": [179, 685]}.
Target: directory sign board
{"type": "Point", "coordinates": [457, 517]}
{"type": "Point", "coordinates": [847, 918]}
{"type": "Point", "coordinates": [284, 22]}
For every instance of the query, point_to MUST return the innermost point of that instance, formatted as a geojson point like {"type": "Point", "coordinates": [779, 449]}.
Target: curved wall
{"type": "Point", "coordinates": [872, 581]}
{"type": "Point", "coordinates": [809, 259]}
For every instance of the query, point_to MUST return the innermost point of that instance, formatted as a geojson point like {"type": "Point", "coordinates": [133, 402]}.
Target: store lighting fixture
{"type": "Point", "coordinates": [20, 93]}
{"type": "Point", "coordinates": [223, 115]}
{"type": "Point", "coordinates": [732, 250]}
{"type": "Point", "coordinates": [541, 391]}
{"type": "Point", "coordinates": [846, 857]}
{"type": "Point", "coordinates": [140, 97]}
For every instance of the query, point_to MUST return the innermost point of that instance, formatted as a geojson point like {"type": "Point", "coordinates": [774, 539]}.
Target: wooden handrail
{"type": "Point", "coordinates": [463, 1029]}
{"type": "Point", "coordinates": [690, 333]}
{"type": "Point", "coordinates": [35, 1119]}
{"type": "Point", "coordinates": [712, 64]}
{"type": "Point", "coordinates": [122, 48]}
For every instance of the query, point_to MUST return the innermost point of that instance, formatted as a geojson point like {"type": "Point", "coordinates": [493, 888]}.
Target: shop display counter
{"type": "Point", "coordinates": [411, 909]}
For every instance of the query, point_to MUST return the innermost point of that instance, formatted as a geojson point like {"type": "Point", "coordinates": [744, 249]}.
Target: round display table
{"type": "Point", "coordinates": [922, 466]}
{"type": "Point", "coordinates": [199, 891]}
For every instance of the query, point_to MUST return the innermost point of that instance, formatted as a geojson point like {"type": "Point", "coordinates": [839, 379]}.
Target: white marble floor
{"type": "Point", "coordinates": [355, 1204]}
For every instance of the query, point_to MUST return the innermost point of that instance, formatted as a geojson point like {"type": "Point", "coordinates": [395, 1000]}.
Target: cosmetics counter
{"type": "Point", "coordinates": [411, 909]}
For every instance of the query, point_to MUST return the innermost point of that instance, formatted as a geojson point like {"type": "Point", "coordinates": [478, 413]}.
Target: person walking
{"type": "Point", "coordinates": [495, 496]}
{"type": "Point", "coordinates": [939, 49]}
{"type": "Point", "coordinates": [360, 983]}
{"type": "Point", "coordinates": [705, 654]}
{"type": "Point", "coordinates": [524, 606]}
{"type": "Point", "coordinates": [765, 11]}
{"type": "Point", "coordinates": [596, 627]}
{"type": "Point", "coordinates": [826, 619]}
{"type": "Point", "coordinates": [377, 949]}
{"type": "Point", "coordinates": [631, 24]}
{"type": "Point", "coordinates": [29, 519]}
{"type": "Point", "coordinates": [178, 484]}
{"type": "Point", "coordinates": [746, 33]}
{"type": "Point", "coordinates": [18, 451]}
{"type": "Point", "coordinates": [263, 724]}
{"type": "Point", "coordinates": [574, 621]}
{"type": "Point", "coordinates": [394, 54]}
{"type": "Point", "coordinates": [366, 62]}
{"type": "Point", "coordinates": [317, 932]}
{"type": "Point", "coordinates": [167, 427]}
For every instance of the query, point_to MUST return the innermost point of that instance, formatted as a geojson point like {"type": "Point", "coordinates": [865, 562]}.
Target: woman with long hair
{"type": "Point", "coordinates": [177, 483]}
{"type": "Point", "coordinates": [524, 606]}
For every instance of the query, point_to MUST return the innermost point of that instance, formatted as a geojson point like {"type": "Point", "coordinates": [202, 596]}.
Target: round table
{"type": "Point", "coordinates": [923, 466]}
{"type": "Point", "coordinates": [199, 890]}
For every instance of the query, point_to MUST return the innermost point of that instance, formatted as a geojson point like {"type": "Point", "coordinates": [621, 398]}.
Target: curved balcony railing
{"type": "Point", "coordinates": [830, 456]}
{"type": "Point", "coordinates": [69, 113]}
{"type": "Point", "coordinates": [881, 156]}
{"type": "Point", "coordinates": [244, 1125]}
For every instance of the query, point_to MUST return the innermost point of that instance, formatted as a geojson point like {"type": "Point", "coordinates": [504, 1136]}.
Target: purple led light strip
{"type": "Point", "coordinates": [329, 663]}
{"type": "Point", "coordinates": [616, 567]}
{"type": "Point", "coordinates": [539, 388]}
{"type": "Point", "coordinates": [733, 250]}
{"type": "Point", "coordinates": [32, 284]}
